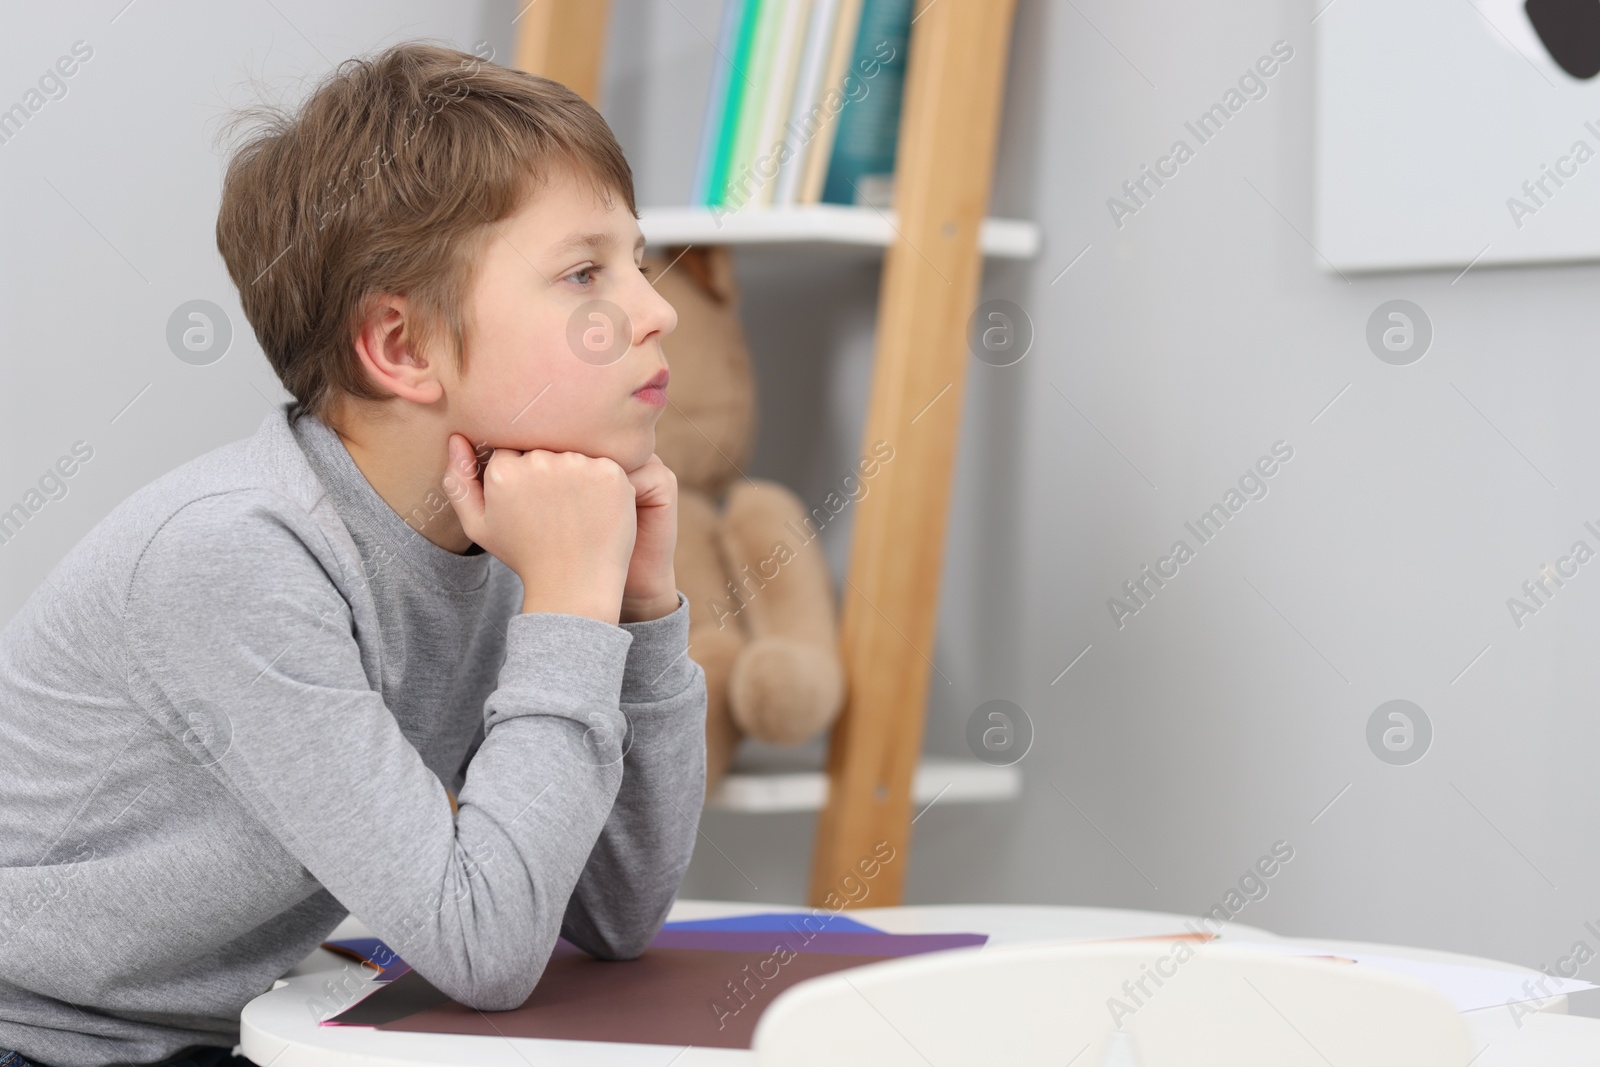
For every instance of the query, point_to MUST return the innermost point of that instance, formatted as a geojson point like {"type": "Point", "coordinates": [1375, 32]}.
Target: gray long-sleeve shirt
{"type": "Point", "coordinates": [229, 716]}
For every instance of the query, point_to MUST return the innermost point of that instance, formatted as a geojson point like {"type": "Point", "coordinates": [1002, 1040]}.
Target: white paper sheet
{"type": "Point", "coordinates": [1468, 987]}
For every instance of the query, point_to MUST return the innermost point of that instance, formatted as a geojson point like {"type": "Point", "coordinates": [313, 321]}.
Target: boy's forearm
{"type": "Point", "coordinates": [639, 860]}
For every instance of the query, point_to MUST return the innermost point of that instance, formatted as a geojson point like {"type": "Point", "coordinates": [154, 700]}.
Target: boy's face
{"type": "Point", "coordinates": [564, 331]}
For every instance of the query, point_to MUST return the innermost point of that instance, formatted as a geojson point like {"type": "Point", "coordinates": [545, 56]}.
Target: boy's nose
{"type": "Point", "coordinates": [654, 314]}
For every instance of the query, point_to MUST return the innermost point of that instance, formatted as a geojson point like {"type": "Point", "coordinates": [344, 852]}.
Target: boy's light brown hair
{"type": "Point", "coordinates": [389, 179]}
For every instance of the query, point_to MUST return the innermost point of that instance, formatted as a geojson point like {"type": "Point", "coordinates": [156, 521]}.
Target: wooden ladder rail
{"type": "Point", "coordinates": [949, 125]}
{"type": "Point", "coordinates": [564, 40]}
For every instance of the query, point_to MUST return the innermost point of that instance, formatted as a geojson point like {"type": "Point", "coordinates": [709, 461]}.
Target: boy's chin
{"type": "Point", "coordinates": [638, 455]}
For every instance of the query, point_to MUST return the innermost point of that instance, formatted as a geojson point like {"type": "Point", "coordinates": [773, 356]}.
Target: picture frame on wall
{"type": "Point", "coordinates": [1456, 132]}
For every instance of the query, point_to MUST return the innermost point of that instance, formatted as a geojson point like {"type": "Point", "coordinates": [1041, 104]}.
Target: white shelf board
{"type": "Point", "coordinates": [814, 224]}
{"type": "Point", "coordinates": [961, 782]}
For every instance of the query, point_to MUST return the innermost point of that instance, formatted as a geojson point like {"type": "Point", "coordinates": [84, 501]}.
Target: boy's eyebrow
{"type": "Point", "coordinates": [592, 241]}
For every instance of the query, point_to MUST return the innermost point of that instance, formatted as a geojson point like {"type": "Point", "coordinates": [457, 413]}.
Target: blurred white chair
{"type": "Point", "coordinates": [1147, 1003]}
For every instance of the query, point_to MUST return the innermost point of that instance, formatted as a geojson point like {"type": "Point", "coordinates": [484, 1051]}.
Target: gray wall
{"type": "Point", "coordinates": [1230, 711]}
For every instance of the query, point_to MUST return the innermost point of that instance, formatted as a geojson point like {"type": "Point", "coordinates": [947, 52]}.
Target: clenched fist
{"type": "Point", "coordinates": [564, 522]}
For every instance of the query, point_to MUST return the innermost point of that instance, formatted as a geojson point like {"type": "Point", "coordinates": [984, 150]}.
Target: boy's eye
{"type": "Point", "coordinates": [586, 275]}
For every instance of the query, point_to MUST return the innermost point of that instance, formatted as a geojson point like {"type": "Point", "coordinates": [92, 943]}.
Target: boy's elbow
{"type": "Point", "coordinates": [630, 949]}
{"type": "Point", "coordinates": [617, 940]}
{"type": "Point", "coordinates": [606, 946]}
{"type": "Point", "coordinates": [497, 998]}
{"type": "Point", "coordinates": [500, 992]}
{"type": "Point", "coordinates": [501, 984]}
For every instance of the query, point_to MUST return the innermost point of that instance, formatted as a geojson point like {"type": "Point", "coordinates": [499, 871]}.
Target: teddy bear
{"type": "Point", "coordinates": [762, 618]}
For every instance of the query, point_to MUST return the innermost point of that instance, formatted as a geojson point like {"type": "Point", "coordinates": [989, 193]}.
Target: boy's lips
{"type": "Point", "coordinates": [655, 390]}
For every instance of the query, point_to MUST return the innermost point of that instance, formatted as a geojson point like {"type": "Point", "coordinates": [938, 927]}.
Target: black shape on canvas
{"type": "Point", "coordinates": [1570, 32]}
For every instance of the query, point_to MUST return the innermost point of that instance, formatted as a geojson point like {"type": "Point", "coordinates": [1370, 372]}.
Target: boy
{"type": "Point", "coordinates": [241, 707]}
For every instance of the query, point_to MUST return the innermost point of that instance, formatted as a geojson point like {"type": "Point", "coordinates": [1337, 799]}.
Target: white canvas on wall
{"type": "Point", "coordinates": [1451, 132]}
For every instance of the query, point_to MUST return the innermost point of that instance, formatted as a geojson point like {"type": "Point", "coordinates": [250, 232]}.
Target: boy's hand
{"type": "Point", "coordinates": [652, 586]}
{"type": "Point", "coordinates": [562, 521]}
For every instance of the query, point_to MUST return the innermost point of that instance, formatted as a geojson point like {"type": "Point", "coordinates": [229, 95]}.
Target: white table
{"type": "Point", "coordinates": [279, 1029]}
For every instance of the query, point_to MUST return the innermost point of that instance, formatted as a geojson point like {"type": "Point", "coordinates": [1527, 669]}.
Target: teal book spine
{"type": "Point", "coordinates": [861, 169]}
{"type": "Point", "coordinates": [739, 86]}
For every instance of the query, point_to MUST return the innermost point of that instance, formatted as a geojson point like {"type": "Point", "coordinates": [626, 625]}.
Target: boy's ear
{"type": "Point", "coordinates": [385, 346]}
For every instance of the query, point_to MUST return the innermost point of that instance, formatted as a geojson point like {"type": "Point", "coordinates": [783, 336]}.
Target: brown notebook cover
{"type": "Point", "coordinates": [668, 996]}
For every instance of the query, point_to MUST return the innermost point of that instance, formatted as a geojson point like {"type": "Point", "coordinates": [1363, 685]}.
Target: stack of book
{"type": "Point", "coordinates": [804, 104]}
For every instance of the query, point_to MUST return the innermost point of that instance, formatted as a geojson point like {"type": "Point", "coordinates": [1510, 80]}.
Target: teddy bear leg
{"type": "Point", "coordinates": [787, 685]}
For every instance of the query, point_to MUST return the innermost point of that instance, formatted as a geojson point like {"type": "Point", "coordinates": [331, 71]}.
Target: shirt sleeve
{"type": "Point", "coordinates": [638, 862]}
{"type": "Point", "coordinates": [658, 663]}
{"type": "Point", "coordinates": [240, 638]}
